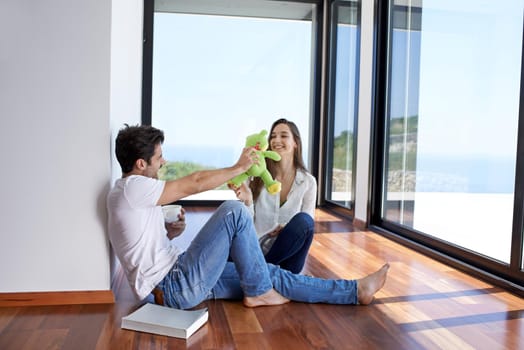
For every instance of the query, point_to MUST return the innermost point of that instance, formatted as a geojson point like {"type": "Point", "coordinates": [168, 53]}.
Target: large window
{"type": "Point", "coordinates": [447, 166]}
{"type": "Point", "coordinates": [224, 70]}
{"type": "Point", "coordinates": [451, 124]}
{"type": "Point", "coordinates": [343, 97]}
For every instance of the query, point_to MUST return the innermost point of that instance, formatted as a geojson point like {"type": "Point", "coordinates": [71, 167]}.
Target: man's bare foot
{"type": "Point", "coordinates": [271, 297]}
{"type": "Point", "coordinates": [369, 285]}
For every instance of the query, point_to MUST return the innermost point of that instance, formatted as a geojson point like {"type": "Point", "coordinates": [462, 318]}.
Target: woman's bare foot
{"type": "Point", "coordinates": [271, 297]}
{"type": "Point", "coordinates": [369, 285]}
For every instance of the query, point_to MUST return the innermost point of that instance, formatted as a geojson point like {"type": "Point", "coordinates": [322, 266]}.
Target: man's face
{"type": "Point", "coordinates": [156, 162]}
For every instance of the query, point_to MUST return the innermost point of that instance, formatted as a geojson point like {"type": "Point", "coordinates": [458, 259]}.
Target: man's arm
{"type": "Point", "coordinates": [204, 180]}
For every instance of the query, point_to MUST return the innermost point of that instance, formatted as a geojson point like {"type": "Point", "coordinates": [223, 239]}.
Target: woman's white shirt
{"type": "Point", "coordinates": [267, 212]}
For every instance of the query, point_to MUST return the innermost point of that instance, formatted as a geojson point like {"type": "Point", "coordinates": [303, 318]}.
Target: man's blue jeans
{"type": "Point", "coordinates": [203, 271]}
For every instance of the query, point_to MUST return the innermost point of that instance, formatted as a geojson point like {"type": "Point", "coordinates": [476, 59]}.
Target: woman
{"type": "Point", "coordinates": [284, 222]}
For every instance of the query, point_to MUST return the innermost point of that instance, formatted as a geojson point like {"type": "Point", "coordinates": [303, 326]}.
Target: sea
{"type": "Point", "coordinates": [469, 174]}
{"type": "Point", "coordinates": [473, 174]}
{"type": "Point", "coordinates": [209, 156]}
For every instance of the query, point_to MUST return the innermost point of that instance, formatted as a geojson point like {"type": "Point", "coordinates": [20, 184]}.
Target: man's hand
{"type": "Point", "coordinates": [176, 228]}
{"type": "Point", "coordinates": [248, 157]}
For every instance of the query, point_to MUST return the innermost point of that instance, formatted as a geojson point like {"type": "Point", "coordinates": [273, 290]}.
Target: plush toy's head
{"type": "Point", "coordinates": [259, 141]}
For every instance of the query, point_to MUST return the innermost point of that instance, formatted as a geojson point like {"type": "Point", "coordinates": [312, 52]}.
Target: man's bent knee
{"type": "Point", "coordinates": [231, 205]}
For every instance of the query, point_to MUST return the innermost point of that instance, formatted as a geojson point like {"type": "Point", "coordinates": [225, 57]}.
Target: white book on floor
{"type": "Point", "coordinates": [163, 320]}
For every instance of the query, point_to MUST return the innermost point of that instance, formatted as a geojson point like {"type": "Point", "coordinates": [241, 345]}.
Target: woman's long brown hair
{"type": "Point", "coordinates": [257, 183]}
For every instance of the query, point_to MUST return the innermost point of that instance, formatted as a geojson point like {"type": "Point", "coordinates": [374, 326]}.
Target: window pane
{"type": "Point", "coordinates": [343, 100]}
{"type": "Point", "coordinates": [452, 121]}
{"type": "Point", "coordinates": [218, 79]}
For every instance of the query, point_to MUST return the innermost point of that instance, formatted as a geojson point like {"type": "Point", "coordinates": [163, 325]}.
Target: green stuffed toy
{"type": "Point", "coordinates": [260, 142]}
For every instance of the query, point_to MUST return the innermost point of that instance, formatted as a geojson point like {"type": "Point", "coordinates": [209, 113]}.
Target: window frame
{"type": "Point", "coordinates": [331, 55]}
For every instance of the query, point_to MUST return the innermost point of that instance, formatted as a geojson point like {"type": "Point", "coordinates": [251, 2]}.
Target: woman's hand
{"type": "Point", "coordinates": [243, 193]}
{"type": "Point", "coordinates": [175, 229]}
{"type": "Point", "coordinates": [275, 231]}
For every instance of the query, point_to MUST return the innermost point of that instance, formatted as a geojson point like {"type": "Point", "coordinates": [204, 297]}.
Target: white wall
{"type": "Point", "coordinates": [126, 69]}
{"type": "Point", "coordinates": [126, 73]}
{"type": "Point", "coordinates": [55, 143]}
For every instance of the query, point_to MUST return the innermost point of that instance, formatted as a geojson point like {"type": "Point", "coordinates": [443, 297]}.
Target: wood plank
{"type": "Point", "coordinates": [36, 339]}
{"type": "Point", "coordinates": [6, 316]}
{"type": "Point", "coordinates": [85, 328]}
{"type": "Point", "coordinates": [241, 319]}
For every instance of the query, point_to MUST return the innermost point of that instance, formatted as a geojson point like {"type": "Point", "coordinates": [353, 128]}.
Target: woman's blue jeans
{"type": "Point", "coordinates": [290, 249]}
{"type": "Point", "coordinates": [203, 272]}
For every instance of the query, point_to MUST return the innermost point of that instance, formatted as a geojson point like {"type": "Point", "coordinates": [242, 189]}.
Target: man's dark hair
{"type": "Point", "coordinates": [136, 142]}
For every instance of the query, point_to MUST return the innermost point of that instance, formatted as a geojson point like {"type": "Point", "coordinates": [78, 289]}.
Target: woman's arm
{"type": "Point", "coordinates": [309, 202]}
{"type": "Point", "coordinates": [244, 194]}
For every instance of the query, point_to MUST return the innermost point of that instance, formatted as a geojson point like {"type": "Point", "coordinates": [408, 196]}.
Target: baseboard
{"type": "Point", "coordinates": [56, 298]}
{"type": "Point", "coordinates": [360, 224]}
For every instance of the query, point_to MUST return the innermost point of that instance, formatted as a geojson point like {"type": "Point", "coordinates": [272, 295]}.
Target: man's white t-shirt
{"type": "Point", "coordinates": [137, 232]}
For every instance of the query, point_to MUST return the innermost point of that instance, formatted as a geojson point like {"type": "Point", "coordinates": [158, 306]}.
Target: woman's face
{"type": "Point", "coordinates": [282, 141]}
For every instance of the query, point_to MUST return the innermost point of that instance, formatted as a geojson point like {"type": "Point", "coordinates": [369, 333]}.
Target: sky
{"type": "Point", "coordinates": [470, 77]}
{"type": "Point", "coordinates": [218, 79]}
{"type": "Point", "coordinates": [235, 76]}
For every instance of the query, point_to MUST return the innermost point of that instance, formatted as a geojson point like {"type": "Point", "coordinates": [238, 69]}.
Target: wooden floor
{"type": "Point", "coordinates": [424, 305]}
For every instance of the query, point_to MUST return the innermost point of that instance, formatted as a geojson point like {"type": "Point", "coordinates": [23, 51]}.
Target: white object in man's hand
{"type": "Point", "coordinates": [172, 212]}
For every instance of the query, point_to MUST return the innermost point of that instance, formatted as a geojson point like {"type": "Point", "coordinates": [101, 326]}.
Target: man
{"type": "Point", "coordinates": [183, 279]}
